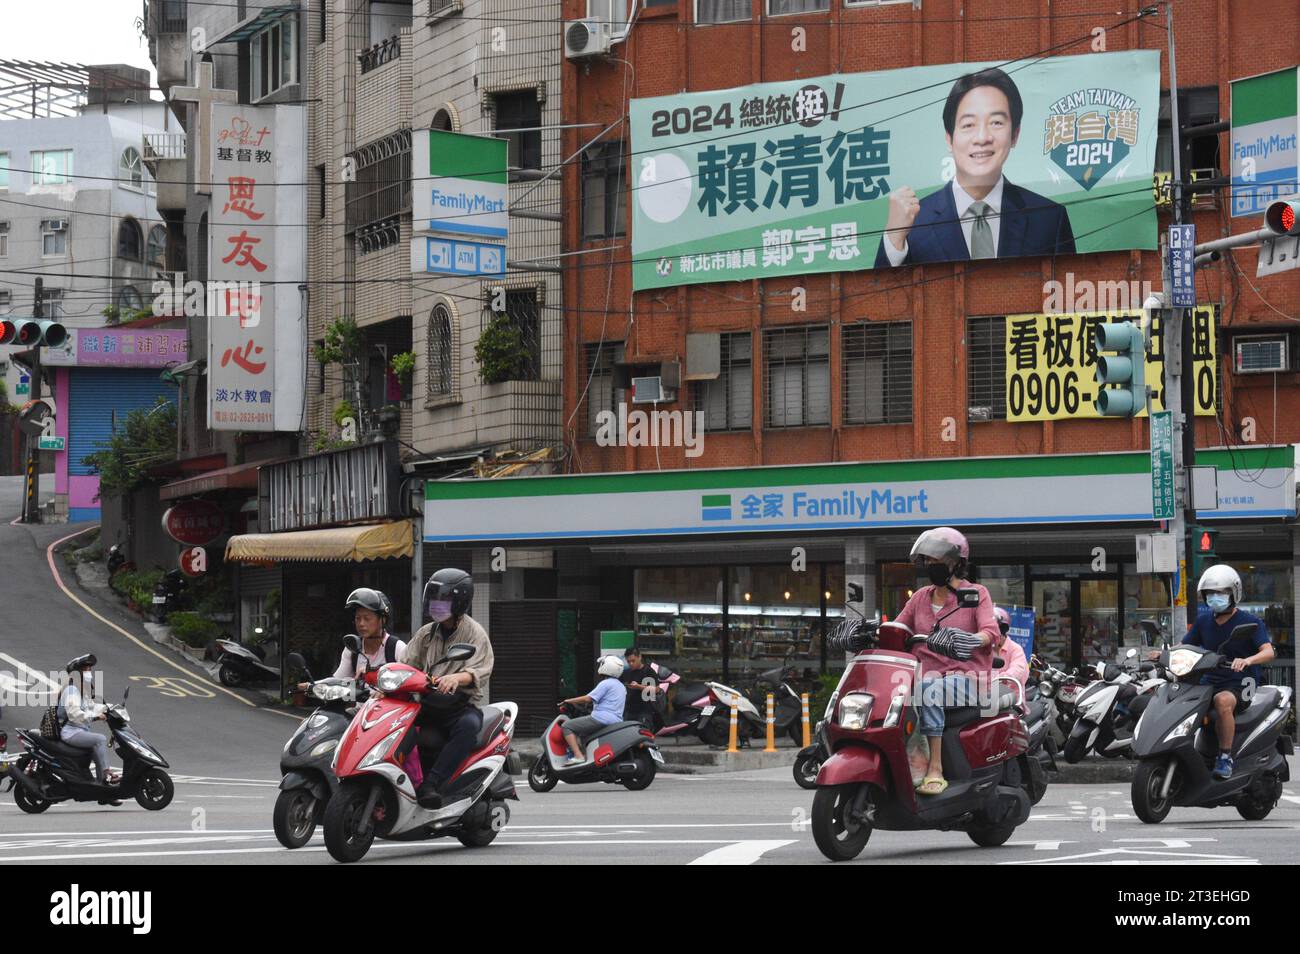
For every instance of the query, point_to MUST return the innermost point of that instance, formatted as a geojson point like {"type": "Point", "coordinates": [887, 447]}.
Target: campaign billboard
{"type": "Point", "coordinates": [854, 171]}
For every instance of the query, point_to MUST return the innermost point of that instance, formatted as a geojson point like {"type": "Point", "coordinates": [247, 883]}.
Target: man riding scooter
{"type": "Point", "coordinates": [1220, 589]}
{"type": "Point", "coordinates": [451, 713]}
{"type": "Point", "coordinates": [957, 658]}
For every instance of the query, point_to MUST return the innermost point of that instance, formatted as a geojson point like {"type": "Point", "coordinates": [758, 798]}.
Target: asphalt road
{"type": "Point", "coordinates": [224, 750]}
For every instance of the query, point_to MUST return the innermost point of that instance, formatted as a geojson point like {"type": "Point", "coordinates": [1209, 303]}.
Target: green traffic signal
{"type": "Point", "coordinates": [1121, 377]}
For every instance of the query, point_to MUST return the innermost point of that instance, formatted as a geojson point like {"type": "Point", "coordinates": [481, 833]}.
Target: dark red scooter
{"type": "Point", "coordinates": [867, 782]}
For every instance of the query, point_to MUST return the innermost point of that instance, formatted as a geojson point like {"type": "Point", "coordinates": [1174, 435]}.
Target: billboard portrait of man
{"type": "Point", "coordinates": [979, 214]}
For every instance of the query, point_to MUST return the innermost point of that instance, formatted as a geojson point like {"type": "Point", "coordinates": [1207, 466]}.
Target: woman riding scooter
{"type": "Point", "coordinates": [78, 710]}
{"type": "Point", "coordinates": [371, 610]}
{"type": "Point", "coordinates": [959, 657]}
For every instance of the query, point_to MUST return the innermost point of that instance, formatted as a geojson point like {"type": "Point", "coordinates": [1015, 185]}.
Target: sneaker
{"type": "Point", "coordinates": [573, 760]}
{"type": "Point", "coordinates": [427, 796]}
{"type": "Point", "coordinates": [1223, 766]}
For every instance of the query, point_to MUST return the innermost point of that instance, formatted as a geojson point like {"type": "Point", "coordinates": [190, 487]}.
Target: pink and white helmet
{"type": "Point", "coordinates": [941, 543]}
{"type": "Point", "coordinates": [1003, 618]}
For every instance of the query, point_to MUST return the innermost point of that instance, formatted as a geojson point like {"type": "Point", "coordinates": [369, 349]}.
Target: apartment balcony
{"type": "Point", "coordinates": [167, 26]}
{"type": "Point", "coordinates": [164, 155]}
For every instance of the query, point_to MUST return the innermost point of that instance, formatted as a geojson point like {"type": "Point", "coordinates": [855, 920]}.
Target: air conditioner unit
{"type": "Point", "coordinates": [58, 225]}
{"type": "Point", "coordinates": [651, 391]}
{"type": "Point", "coordinates": [586, 38]}
{"type": "Point", "coordinates": [1260, 354]}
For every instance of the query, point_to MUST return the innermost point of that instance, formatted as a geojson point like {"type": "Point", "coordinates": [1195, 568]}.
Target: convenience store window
{"type": "Point", "coordinates": [1267, 588]}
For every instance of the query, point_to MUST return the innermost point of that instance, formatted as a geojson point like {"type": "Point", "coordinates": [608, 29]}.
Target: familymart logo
{"type": "Point", "coordinates": [715, 507]}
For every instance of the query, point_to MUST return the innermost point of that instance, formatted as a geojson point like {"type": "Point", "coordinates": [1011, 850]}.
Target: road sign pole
{"type": "Point", "coordinates": [32, 502]}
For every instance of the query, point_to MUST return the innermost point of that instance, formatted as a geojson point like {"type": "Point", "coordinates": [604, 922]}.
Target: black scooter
{"type": "Point", "coordinates": [1176, 742]}
{"type": "Point", "coordinates": [50, 771]}
{"type": "Point", "coordinates": [306, 763]}
{"type": "Point", "coordinates": [240, 665]}
{"type": "Point", "coordinates": [168, 594]}
{"type": "Point", "coordinates": [809, 760]}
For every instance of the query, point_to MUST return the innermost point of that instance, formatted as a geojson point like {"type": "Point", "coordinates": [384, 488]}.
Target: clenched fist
{"type": "Point", "coordinates": [903, 209]}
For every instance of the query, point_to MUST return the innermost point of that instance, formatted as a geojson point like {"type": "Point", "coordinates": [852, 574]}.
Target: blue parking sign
{"type": "Point", "coordinates": [1182, 265]}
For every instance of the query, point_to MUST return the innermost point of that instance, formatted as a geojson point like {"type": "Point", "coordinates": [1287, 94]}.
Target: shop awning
{"type": "Point", "coordinates": [374, 541]}
{"type": "Point", "coordinates": [236, 477]}
{"type": "Point", "coordinates": [256, 23]}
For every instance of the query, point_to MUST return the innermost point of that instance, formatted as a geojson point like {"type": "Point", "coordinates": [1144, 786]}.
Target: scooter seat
{"type": "Point", "coordinates": [492, 720]}
{"type": "Point", "coordinates": [613, 727]}
{"type": "Point", "coordinates": [61, 749]}
{"type": "Point", "coordinates": [958, 716]}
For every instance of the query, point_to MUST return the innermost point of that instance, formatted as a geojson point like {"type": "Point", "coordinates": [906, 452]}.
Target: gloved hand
{"type": "Point", "coordinates": [954, 643]}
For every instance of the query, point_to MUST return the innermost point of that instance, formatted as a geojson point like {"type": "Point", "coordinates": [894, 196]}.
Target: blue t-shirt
{"type": "Point", "coordinates": [608, 699]}
{"type": "Point", "coordinates": [1205, 632]}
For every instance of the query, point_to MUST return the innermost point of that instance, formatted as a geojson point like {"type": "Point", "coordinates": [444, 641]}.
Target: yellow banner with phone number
{"type": "Point", "coordinates": [1052, 361]}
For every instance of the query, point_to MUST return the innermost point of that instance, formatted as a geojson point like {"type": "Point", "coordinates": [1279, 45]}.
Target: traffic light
{"type": "Point", "coordinates": [1280, 216]}
{"type": "Point", "coordinates": [1121, 377]}
{"type": "Point", "coordinates": [1203, 553]}
{"type": "Point", "coordinates": [32, 332]}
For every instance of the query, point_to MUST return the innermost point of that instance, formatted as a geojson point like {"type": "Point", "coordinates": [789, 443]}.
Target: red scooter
{"type": "Point", "coordinates": [376, 758]}
{"type": "Point", "coordinates": [873, 722]}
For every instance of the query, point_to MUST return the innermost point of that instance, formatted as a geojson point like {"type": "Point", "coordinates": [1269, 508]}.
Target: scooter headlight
{"type": "Point", "coordinates": [855, 709]}
{"type": "Point", "coordinates": [1183, 661]}
{"type": "Point", "coordinates": [390, 679]}
{"type": "Point", "coordinates": [323, 748]}
{"type": "Point", "coordinates": [895, 710]}
{"type": "Point", "coordinates": [1183, 728]}
{"type": "Point", "coordinates": [1046, 688]}
{"type": "Point", "coordinates": [381, 750]}
{"type": "Point", "coordinates": [327, 693]}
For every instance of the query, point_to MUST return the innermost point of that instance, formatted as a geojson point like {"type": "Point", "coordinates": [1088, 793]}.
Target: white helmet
{"type": "Point", "coordinates": [1220, 577]}
{"type": "Point", "coordinates": [610, 666]}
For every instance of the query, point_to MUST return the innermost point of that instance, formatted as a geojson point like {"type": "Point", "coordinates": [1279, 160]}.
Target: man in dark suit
{"type": "Point", "coordinates": [979, 214]}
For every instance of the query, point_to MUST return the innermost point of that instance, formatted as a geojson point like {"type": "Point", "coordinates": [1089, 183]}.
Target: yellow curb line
{"type": "Point", "coordinates": [189, 674]}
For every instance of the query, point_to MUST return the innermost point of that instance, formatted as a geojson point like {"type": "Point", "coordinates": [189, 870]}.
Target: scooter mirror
{"type": "Point", "coordinates": [968, 597]}
{"type": "Point", "coordinates": [1244, 630]}
{"type": "Point", "coordinates": [351, 642]}
{"type": "Point", "coordinates": [296, 662]}
{"type": "Point", "coordinates": [459, 652]}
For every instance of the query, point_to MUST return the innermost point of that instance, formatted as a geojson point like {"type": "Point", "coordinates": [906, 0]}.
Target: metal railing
{"type": "Point", "coordinates": [380, 53]}
{"type": "Point", "coordinates": [168, 16]}
{"type": "Point", "coordinates": [164, 146]}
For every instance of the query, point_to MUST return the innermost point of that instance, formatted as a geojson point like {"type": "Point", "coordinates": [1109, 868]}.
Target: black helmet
{"type": "Point", "coordinates": [449, 586]}
{"type": "Point", "coordinates": [81, 662]}
{"type": "Point", "coordinates": [373, 600]}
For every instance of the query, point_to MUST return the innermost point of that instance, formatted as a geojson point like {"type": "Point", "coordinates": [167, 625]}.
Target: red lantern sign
{"type": "Point", "coordinates": [194, 523]}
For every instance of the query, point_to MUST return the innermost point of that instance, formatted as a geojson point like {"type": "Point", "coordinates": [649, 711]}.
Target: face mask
{"type": "Point", "coordinates": [939, 573]}
{"type": "Point", "coordinates": [1218, 603]}
{"type": "Point", "coordinates": [439, 610]}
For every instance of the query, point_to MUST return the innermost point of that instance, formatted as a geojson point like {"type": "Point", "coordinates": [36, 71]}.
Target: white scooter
{"type": "Point", "coordinates": [1107, 710]}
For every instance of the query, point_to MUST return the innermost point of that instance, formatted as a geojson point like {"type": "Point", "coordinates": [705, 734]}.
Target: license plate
{"type": "Point", "coordinates": [707, 710]}
{"type": "Point", "coordinates": [160, 599]}
{"type": "Point", "coordinates": [657, 756]}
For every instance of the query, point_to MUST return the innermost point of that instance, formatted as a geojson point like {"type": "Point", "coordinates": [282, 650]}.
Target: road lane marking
{"type": "Point", "coordinates": [54, 570]}
{"type": "Point", "coordinates": [741, 852]}
{"type": "Point", "coordinates": [39, 677]}
{"type": "Point", "coordinates": [218, 780]}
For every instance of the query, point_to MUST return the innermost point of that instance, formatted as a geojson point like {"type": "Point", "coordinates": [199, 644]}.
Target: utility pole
{"type": "Point", "coordinates": [1177, 375]}
{"type": "Point", "coordinates": [31, 507]}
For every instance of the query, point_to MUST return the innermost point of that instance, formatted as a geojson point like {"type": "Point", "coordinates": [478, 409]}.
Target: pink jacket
{"type": "Point", "coordinates": [1014, 663]}
{"type": "Point", "coordinates": [918, 616]}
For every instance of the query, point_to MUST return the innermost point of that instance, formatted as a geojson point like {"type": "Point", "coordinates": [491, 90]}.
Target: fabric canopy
{"type": "Point", "coordinates": [375, 541]}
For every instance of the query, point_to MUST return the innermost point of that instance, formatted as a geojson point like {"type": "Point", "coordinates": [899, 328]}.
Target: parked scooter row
{"type": "Point", "coordinates": [703, 709]}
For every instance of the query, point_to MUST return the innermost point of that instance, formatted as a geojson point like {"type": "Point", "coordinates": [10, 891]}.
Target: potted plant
{"type": "Point", "coordinates": [403, 365]}
{"type": "Point", "coordinates": [501, 351]}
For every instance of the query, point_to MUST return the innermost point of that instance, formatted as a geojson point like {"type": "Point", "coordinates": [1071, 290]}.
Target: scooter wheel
{"type": "Point", "coordinates": [482, 836]}
{"type": "Point", "coordinates": [806, 767]}
{"type": "Point", "coordinates": [155, 790]}
{"type": "Point", "coordinates": [795, 731]}
{"type": "Point", "coordinates": [991, 836]}
{"type": "Point", "coordinates": [1148, 780]}
{"type": "Point", "coordinates": [718, 732]}
{"type": "Point", "coordinates": [294, 818]}
{"type": "Point", "coordinates": [1076, 747]}
{"type": "Point", "coordinates": [31, 804]}
{"type": "Point", "coordinates": [230, 677]}
{"type": "Point", "coordinates": [343, 837]}
{"type": "Point", "coordinates": [541, 777]}
{"type": "Point", "coordinates": [839, 837]}
{"type": "Point", "coordinates": [645, 773]}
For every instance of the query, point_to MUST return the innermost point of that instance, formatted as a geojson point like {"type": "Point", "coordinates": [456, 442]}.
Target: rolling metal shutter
{"type": "Point", "coordinates": [98, 397]}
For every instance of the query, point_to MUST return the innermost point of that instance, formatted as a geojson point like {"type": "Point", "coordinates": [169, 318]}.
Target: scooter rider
{"type": "Point", "coordinates": [607, 700]}
{"type": "Point", "coordinates": [371, 610]}
{"type": "Point", "coordinates": [1008, 650]}
{"type": "Point", "coordinates": [78, 709]}
{"type": "Point", "coordinates": [959, 656]}
{"type": "Point", "coordinates": [447, 599]}
{"type": "Point", "coordinates": [1220, 588]}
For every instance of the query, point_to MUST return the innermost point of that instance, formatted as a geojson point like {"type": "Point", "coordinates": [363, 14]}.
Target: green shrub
{"type": "Point", "coordinates": [193, 629]}
{"type": "Point", "coordinates": [502, 352]}
{"type": "Point", "coordinates": [137, 585]}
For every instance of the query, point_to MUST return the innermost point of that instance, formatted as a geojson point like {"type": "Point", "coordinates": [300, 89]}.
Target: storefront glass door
{"type": "Point", "coordinates": [1077, 620]}
{"type": "Point", "coordinates": [1054, 620]}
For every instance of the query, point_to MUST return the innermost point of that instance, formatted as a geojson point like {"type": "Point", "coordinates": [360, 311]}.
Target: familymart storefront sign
{"type": "Point", "coordinates": [1101, 488]}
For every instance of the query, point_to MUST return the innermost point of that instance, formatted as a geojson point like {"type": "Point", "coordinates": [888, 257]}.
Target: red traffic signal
{"type": "Point", "coordinates": [1279, 216]}
{"type": "Point", "coordinates": [1206, 543]}
{"type": "Point", "coordinates": [8, 331]}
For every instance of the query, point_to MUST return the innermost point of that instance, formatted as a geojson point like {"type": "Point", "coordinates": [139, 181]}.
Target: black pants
{"type": "Point", "coordinates": [460, 729]}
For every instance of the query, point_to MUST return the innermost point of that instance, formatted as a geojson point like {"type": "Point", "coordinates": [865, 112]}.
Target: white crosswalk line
{"type": "Point", "coordinates": [740, 852]}
{"type": "Point", "coordinates": [39, 677]}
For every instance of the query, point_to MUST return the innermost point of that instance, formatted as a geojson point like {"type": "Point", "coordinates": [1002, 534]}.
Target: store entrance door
{"type": "Point", "coordinates": [1076, 619]}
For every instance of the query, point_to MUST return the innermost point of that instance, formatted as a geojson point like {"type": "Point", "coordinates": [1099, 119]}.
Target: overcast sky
{"type": "Point", "coordinates": [74, 31]}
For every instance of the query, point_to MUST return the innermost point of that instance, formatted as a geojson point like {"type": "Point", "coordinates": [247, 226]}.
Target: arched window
{"type": "Point", "coordinates": [440, 352]}
{"type": "Point", "coordinates": [446, 119]}
{"type": "Point", "coordinates": [157, 251]}
{"type": "Point", "coordinates": [132, 170]}
{"type": "Point", "coordinates": [128, 299]}
{"type": "Point", "coordinates": [130, 240]}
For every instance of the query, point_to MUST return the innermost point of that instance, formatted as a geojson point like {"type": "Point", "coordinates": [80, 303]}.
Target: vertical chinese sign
{"type": "Point", "coordinates": [258, 178]}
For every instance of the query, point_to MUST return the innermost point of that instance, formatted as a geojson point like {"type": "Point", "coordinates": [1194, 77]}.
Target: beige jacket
{"type": "Point", "coordinates": [429, 645]}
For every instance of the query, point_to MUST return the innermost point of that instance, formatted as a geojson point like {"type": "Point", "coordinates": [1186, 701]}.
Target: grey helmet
{"type": "Point", "coordinates": [373, 600]}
